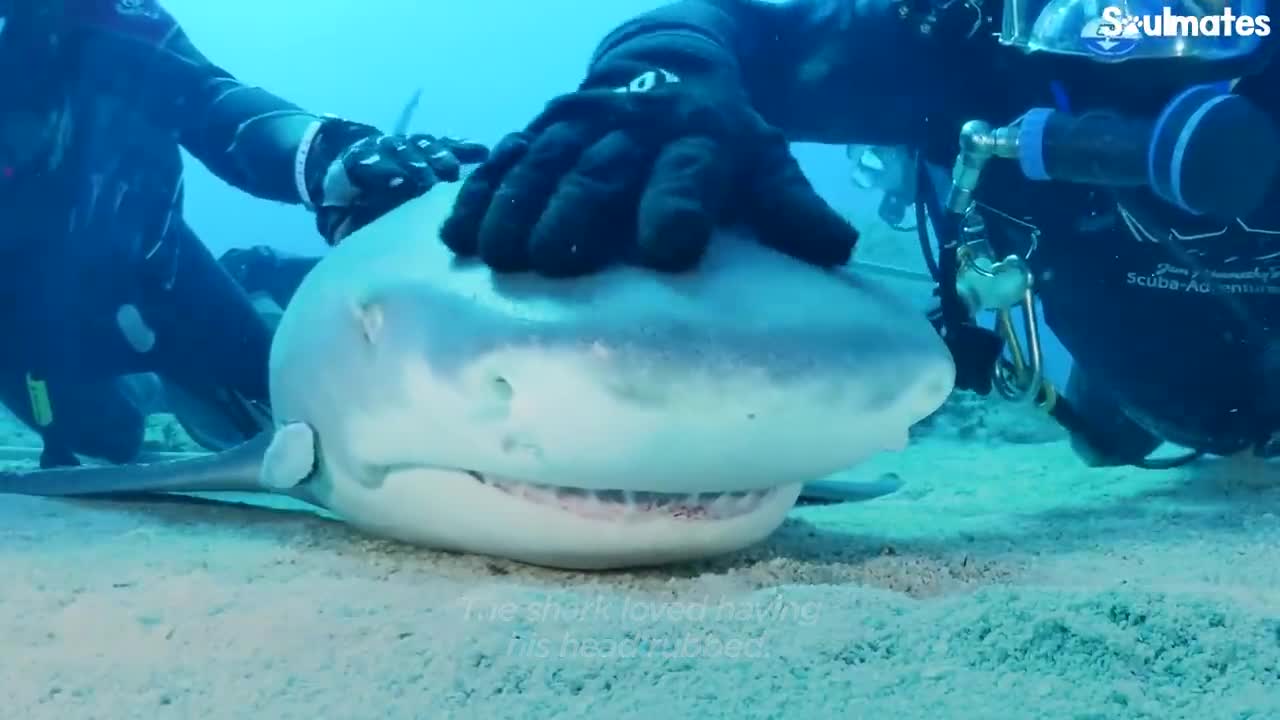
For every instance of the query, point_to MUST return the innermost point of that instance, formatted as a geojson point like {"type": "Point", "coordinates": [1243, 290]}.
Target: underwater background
{"type": "Point", "coordinates": [1003, 580]}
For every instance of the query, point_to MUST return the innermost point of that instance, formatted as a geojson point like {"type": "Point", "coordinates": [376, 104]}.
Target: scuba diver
{"type": "Point", "coordinates": [99, 274]}
{"type": "Point", "coordinates": [1123, 174]}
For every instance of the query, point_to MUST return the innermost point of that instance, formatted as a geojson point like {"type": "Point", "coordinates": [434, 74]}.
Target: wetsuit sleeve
{"type": "Point", "coordinates": [247, 136]}
{"type": "Point", "coordinates": [833, 71]}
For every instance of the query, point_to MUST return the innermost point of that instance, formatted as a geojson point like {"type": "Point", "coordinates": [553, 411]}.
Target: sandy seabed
{"type": "Point", "coordinates": [1003, 581]}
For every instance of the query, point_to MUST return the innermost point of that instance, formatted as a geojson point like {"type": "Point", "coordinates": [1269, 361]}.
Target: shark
{"type": "Point", "coordinates": [623, 419]}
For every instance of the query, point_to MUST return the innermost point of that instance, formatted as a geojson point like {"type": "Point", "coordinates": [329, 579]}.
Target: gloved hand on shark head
{"type": "Point", "coordinates": [640, 165]}
{"type": "Point", "coordinates": [354, 173]}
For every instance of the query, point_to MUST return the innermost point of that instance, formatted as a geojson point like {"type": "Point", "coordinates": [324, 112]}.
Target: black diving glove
{"type": "Point", "coordinates": [639, 165]}
{"type": "Point", "coordinates": [355, 174]}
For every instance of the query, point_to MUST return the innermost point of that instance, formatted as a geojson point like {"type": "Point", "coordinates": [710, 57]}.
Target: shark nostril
{"type": "Point", "coordinates": [520, 446]}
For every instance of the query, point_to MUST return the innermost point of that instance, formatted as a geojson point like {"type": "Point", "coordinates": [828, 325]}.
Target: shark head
{"type": "Point", "coordinates": [627, 418]}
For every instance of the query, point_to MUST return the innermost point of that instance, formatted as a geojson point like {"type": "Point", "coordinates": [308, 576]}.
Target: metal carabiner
{"type": "Point", "coordinates": [1000, 286]}
{"type": "Point", "coordinates": [1020, 377]}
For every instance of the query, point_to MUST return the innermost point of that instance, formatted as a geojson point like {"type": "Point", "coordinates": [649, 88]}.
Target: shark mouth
{"type": "Point", "coordinates": [628, 505]}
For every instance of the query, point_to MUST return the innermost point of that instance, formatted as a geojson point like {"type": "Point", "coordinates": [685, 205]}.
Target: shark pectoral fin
{"type": "Point", "coordinates": [290, 458]}
{"type": "Point", "coordinates": [841, 490]}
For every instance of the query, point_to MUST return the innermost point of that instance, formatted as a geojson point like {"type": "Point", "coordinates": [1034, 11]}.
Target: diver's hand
{"type": "Point", "coordinates": [356, 174]}
{"type": "Point", "coordinates": [640, 165]}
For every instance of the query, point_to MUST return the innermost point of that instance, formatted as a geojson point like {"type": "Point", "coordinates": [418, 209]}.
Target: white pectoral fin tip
{"type": "Point", "coordinates": [290, 458]}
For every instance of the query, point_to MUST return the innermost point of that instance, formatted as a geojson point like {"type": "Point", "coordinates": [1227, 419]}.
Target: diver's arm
{"type": "Point", "coordinates": [250, 138]}
{"type": "Point", "coordinates": [834, 71]}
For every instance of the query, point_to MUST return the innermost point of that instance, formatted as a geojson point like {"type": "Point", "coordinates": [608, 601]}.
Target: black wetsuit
{"type": "Point", "coordinates": [1149, 335]}
{"type": "Point", "coordinates": [91, 225]}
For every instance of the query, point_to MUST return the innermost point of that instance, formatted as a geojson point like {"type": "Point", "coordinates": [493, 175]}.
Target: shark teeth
{"type": "Point", "coordinates": [631, 504]}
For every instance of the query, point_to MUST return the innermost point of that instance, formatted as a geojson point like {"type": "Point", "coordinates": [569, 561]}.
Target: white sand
{"type": "Point", "coordinates": [1004, 581]}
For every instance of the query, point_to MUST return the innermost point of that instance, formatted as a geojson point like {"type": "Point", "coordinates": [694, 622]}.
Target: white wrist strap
{"type": "Point", "coordinates": [300, 162]}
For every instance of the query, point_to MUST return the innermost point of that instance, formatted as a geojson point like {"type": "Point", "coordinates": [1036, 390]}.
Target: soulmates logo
{"type": "Point", "coordinates": [1118, 25]}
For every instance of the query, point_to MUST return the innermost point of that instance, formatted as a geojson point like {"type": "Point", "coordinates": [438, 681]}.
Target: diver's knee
{"type": "Point", "coordinates": [251, 267]}
{"type": "Point", "coordinates": [1130, 447]}
{"type": "Point", "coordinates": [1104, 435]}
{"type": "Point", "coordinates": [263, 269]}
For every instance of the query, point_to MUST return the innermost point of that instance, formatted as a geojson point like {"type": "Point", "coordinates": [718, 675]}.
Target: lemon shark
{"type": "Point", "coordinates": [628, 418]}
